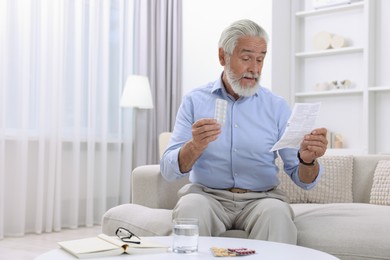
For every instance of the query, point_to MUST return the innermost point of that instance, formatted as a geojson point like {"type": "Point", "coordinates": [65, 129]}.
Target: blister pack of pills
{"type": "Point", "coordinates": [220, 111]}
{"type": "Point", "coordinates": [223, 252]}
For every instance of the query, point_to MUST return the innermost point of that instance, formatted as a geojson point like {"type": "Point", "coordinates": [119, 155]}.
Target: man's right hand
{"type": "Point", "coordinates": [204, 131]}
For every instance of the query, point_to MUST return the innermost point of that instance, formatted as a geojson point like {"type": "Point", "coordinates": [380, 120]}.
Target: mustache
{"type": "Point", "coordinates": [250, 75]}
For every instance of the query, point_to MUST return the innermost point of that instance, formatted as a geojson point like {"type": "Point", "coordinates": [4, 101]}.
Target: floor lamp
{"type": "Point", "coordinates": [136, 94]}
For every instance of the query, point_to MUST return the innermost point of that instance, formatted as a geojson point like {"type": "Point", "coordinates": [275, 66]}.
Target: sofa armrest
{"type": "Point", "coordinates": [150, 189]}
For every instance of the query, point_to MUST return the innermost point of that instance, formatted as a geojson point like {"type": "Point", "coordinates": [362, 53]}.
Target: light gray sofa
{"type": "Point", "coordinates": [335, 217]}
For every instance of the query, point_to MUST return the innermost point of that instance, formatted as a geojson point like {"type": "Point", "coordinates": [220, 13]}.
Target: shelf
{"type": "Point", "coordinates": [335, 92]}
{"type": "Point", "coordinates": [345, 50]}
{"type": "Point", "coordinates": [377, 89]}
{"type": "Point", "coordinates": [329, 10]}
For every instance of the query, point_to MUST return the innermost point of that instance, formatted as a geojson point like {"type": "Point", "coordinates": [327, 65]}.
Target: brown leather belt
{"type": "Point", "coordinates": [238, 190]}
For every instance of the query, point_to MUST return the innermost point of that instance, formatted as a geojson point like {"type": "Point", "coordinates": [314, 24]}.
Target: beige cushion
{"type": "Point", "coordinates": [335, 185]}
{"type": "Point", "coordinates": [345, 230]}
{"type": "Point", "coordinates": [380, 191]}
{"type": "Point", "coordinates": [140, 220]}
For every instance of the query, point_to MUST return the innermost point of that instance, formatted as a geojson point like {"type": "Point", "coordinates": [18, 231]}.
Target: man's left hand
{"type": "Point", "coordinates": [314, 145]}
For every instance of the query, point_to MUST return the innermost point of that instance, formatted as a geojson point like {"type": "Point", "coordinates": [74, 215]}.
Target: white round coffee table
{"type": "Point", "coordinates": [264, 250]}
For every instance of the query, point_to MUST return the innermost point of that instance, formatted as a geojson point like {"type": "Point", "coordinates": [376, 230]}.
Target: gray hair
{"type": "Point", "coordinates": [237, 30]}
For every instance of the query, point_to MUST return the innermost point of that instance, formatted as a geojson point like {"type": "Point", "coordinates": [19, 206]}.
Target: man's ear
{"type": "Point", "coordinates": [221, 55]}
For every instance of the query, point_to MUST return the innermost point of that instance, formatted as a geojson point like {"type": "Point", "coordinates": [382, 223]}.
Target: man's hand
{"type": "Point", "coordinates": [204, 131]}
{"type": "Point", "coordinates": [313, 145]}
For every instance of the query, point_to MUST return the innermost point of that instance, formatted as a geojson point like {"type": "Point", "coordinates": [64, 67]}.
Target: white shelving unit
{"type": "Point", "coordinates": [349, 112]}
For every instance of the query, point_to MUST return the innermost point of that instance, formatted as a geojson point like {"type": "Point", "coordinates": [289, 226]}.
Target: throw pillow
{"type": "Point", "coordinates": [292, 191]}
{"type": "Point", "coordinates": [335, 185]}
{"type": "Point", "coordinates": [380, 191]}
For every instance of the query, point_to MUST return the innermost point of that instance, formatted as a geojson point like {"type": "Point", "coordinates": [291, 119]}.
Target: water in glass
{"type": "Point", "coordinates": [185, 236]}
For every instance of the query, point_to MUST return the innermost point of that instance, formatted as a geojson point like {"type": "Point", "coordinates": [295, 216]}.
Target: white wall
{"type": "Point", "coordinates": [203, 22]}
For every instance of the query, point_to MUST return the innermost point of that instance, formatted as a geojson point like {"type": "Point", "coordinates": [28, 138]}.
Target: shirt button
{"type": "Point", "coordinates": [235, 174]}
{"type": "Point", "coordinates": [234, 150]}
{"type": "Point", "coordinates": [235, 125]}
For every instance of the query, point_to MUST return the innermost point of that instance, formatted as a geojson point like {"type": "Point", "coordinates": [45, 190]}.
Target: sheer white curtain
{"type": "Point", "coordinates": [64, 140]}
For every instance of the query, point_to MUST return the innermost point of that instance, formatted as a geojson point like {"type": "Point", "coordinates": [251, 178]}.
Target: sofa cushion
{"type": "Point", "coordinates": [140, 220]}
{"type": "Point", "coordinates": [335, 185]}
{"type": "Point", "coordinates": [347, 231]}
{"type": "Point", "coordinates": [380, 191]}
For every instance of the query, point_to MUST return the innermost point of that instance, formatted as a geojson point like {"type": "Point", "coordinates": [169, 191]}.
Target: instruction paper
{"type": "Point", "coordinates": [301, 122]}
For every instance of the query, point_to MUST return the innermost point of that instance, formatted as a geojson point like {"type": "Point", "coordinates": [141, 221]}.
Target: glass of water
{"type": "Point", "coordinates": [185, 235]}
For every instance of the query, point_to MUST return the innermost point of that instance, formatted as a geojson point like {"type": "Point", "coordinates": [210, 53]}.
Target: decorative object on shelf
{"type": "Point", "coordinates": [322, 40]}
{"type": "Point", "coordinates": [337, 41]}
{"type": "Point", "coordinates": [322, 86]}
{"type": "Point", "coordinates": [338, 141]}
{"type": "Point", "coordinates": [327, 3]}
{"type": "Point", "coordinates": [340, 84]}
{"type": "Point", "coordinates": [346, 83]}
{"type": "Point", "coordinates": [325, 40]}
{"type": "Point", "coordinates": [336, 84]}
{"type": "Point", "coordinates": [335, 141]}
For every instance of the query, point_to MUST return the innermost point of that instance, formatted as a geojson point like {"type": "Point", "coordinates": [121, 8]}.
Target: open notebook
{"type": "Point", "coordinates": [104, 245]}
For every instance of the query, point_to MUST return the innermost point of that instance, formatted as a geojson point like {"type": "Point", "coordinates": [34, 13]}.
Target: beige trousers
{"type": "Point", "coordinates": [263, 215]}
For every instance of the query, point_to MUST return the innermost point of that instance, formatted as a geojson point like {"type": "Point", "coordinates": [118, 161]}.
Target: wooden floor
{"type": "Point", "coordinates": [30, 246]}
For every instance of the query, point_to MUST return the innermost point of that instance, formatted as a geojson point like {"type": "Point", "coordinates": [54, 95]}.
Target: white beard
{"type": "Point", "coordinates": [234, 82]}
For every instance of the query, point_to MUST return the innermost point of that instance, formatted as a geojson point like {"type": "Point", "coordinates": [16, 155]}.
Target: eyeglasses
{"type": "Point", "coordinates": [126, 235]}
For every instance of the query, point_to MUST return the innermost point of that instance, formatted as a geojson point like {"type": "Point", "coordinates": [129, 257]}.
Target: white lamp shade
{"type": "Point", "coordinates": [137, 93]}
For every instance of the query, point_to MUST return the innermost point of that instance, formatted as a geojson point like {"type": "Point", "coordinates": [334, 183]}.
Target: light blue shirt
{"type": "Point", "coordinates": [241, 156]}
